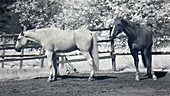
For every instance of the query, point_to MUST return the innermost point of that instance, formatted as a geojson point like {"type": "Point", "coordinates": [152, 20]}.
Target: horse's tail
{"type": "Point", "coordinates": [95, 54]}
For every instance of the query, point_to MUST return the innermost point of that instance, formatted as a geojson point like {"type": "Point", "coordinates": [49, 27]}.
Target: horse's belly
{"type": "Point", "coordinates": [65, 48]}
{"type": "Point", "coordinates": [137, 46]}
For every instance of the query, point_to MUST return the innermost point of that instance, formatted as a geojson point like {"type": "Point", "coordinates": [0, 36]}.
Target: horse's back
{"type": "Point", "coordinates": [66, 40]}
{"type": "Point", "coordinates": [83, 34]}
{"type": "Point", "coordinates": [56, 39]}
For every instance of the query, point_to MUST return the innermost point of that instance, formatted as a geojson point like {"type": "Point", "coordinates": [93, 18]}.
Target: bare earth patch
{"type": "Point", "coordinates": [20, 82]}
{"type": "Point", "coordinates": [110, 84]}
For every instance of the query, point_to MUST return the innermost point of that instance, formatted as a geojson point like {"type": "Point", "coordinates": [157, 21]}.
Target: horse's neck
{"type": "Point", "coordinates": [32, 36]}
{"type": "Point", "coordinates": [131, 31]}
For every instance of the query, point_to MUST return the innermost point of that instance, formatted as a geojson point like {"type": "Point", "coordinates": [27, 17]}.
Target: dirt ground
{"type": "Point", "coordinates": [111, 84]}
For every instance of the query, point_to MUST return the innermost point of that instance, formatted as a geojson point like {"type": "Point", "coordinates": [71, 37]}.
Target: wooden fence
{"type": "Point", "coordinates": [42, 56]}
{"type": "Point", "coordinates": [21, 57]}
{"type": "Point", "coordinates": [5, 46]}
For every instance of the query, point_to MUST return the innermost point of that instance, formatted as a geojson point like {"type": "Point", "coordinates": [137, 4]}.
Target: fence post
{"type": "Point", "coordinates": [95, 52]}
{"type": "Point", "coordinates": [21, 61]}
{"type": "Point", "coordinates": [62, 62]}
{"type": "Point", "coordinates": [3, 51]}
{"type": "Point", "coordinates": [62, 67]}
{"type": "Point", "coordinates": [42, 60]}
{"type": "Point", "coordinates": [22, 50]}
{"type": "Point", "coordinates": [57, 62]}
{"type": "Point", "coordinates": [113, 56]}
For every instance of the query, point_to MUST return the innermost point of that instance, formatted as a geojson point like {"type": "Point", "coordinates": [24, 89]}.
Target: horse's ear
{"type": "Point", "coordinates": [22, 33]}
{"type": "Point", "coordinates": [118, 17]}
{"type": "Point", "coordinates": [124, 21]}
{"type": "Point", "coordinates": [24, 28]}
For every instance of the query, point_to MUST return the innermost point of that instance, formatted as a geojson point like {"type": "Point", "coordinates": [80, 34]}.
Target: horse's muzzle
{"type": "Point", "coordinates": [112, 37]}
{"type": "Point", "coordinates": [18, 49]}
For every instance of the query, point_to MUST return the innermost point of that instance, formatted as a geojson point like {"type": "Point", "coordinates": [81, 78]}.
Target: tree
{"type": "Point", "coordinates": [150, 13]}
{"type": "Point", "coordinates": [74, 14]}
{"type": "Point", "coordinates": [9, 22]}
{"type": "Point", "coordinates": [36, 13]}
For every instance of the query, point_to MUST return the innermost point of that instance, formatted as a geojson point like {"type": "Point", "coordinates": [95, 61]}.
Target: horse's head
{"type": "Point", "coordinates": [118, 27]}
{"type": "Point", "coordinates": [22, 40]}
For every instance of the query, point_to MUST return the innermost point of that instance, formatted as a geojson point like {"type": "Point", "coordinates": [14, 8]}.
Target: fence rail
{"type": "Point", "coordinates": [22, 57]}
{"type": "Point", "coordinates": [42, 56]}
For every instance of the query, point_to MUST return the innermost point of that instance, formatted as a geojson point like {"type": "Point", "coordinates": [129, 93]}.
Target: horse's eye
{"type": "Point", "coordinates": [18, 39]}
{"type": "Point", "coordinates": [118, 24]}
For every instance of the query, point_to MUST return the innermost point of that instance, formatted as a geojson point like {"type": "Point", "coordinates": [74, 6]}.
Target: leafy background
{"type": "Point", "coordinates": [74, 14]}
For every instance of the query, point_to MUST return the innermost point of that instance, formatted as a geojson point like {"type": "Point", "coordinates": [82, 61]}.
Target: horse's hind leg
{"type": "Point", "coordinates": [148, 59]}
{"type": "Point", "coordinates": [143, 59]}
{"type": "Point", "coordinates": [91, 63]}
{"type": "Point", "coordinates": [55, 65]}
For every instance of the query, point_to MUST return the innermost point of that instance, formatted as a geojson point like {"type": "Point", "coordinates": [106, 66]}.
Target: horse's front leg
{"type": "Point", "coordinates": [51, 67]}
{"type": "Point", "coordinates": [136, 62]}
{"type": "Point", "coordinates": [134, 53]}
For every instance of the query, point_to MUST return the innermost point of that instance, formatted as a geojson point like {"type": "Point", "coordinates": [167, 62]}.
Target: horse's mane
{"type": "Point", "coordinates": [39, 30]}
{"type": "Point", "coordinates": [132, 24]}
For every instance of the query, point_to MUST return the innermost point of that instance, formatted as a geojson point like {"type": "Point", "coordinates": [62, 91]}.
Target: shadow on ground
{"type": "Point", "coordinates": [86, 77]}
{"type": "Point", "coordinates": [159, 74]}
{"type": "Point", "coordinates": [81, 77]}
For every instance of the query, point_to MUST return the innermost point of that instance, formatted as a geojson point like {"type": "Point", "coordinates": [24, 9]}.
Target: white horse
{"type": "Point", "coordinates": [55, 40]}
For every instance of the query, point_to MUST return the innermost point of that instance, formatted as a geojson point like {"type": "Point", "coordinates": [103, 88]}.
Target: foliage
{"type": "Point", "coordinates": [73, 14]}
{"type": "Point", "coordinates": [9, 22]}
{"type": "Point", "coordinates": [94, 13]}
{"type": "Point", "coordinates": [36, 13]}
{"type": "Point", "coordinates": [150, 13]}
{"type": "Point", "coordinates": [154, 13]}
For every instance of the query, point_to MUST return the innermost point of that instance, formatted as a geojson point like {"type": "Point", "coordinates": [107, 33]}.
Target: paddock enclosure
{"type": "Point", "coordinates": [21, 76]}
{"type": "Point", "coordinates": [17, 62]}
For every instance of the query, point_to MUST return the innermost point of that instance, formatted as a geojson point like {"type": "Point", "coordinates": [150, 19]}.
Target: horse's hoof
{"type": "Point", "coordinates": [150, 76]}
{"type": "Point", "coordinates": [91, 79]}
{"type": "Point", "coordinates": [50, 80]}
{"type": "Point", "coordinates": [137, 79]}
{"type": "Point", "coordinates": [75, 70]}
{"type": "Point", "coordinates": [67, 72]}
{"type": "Point", "coordinates": [155, 78]}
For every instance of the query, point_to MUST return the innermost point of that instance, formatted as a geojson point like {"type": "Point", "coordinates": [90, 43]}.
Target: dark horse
{"type": "Point", "coordinates": [139, 39]}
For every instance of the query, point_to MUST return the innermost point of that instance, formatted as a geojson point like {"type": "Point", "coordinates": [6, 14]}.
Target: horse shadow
{"type": "Point", "coordinates": [86, 77]}
{"type": "Point", "coordinates": [159, 74]}
{"type": "Point", "coordinates": [79, 77]}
